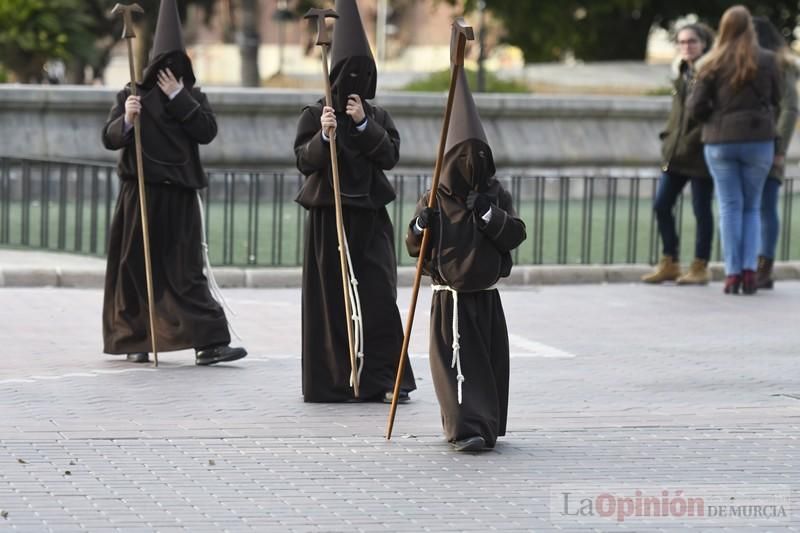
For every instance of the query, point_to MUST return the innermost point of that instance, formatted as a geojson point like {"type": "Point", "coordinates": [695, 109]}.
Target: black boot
{"type": "Point", "coordinates": [218, 354]}
{"type": "Point", "coordinates": [470, 444]}
{"type": "Point", "coordinates": [764, 273]}
{"type": "Point", "coordinates": [402, 396]}
{"type": "Point", "coordinates": [138, 357]}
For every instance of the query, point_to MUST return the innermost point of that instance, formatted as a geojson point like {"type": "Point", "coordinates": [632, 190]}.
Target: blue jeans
{"type": "Point", "coordinates": [770, 223]}
{"type": "Point", "coordinates": [739, 171]}
{"type": "Point", "coordinates": [669, 189]}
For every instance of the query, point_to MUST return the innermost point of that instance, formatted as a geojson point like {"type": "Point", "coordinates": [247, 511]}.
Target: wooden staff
{"type": "Point", "coordinates": [461, 33]}
{"type": "Point", "coordinates": [324, 42]}
{"type": "Point", "coordinates": [128, 34]}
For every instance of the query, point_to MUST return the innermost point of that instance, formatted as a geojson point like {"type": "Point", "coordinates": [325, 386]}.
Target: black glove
{"type": "Point", "coordinates": [426, 217]}
{"type": "Point", "coordinates": [478, 202]}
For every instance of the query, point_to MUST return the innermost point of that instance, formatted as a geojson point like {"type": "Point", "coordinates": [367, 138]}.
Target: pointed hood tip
{"type": "Point", "coordinates": [353, 68]}
{"type": "Point", "coordinates": [168, 36]}
{"type": "Point", "coordinates": [468, 160]}
{"type": "Point", "coordinates": [465, 123]}
{"type": "Point", "coordinates": [349, 37]}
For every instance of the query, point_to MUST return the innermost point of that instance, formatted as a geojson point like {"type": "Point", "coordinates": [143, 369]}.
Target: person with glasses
{"type": "Point", "coordinates": [682, 163]}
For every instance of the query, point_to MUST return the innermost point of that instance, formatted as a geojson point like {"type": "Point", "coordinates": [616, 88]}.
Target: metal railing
{"type": "Point", "coordinates": [252, 218]}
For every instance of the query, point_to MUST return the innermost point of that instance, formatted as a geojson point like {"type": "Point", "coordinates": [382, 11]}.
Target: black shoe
{"type": "Point", "coordinates": [470, 444]}
{"type": "Point", "coordinates": [138, 357]}
{"type": "Point", "coordinates": [402, 397]}
{"type": "Point", "coordinates": [218, 354]}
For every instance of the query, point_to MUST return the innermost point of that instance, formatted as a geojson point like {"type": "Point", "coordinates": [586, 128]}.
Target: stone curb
{"type": "Point", "coordinates": [259, 278]}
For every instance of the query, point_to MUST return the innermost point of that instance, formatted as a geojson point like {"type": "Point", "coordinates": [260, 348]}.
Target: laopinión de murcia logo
{"type": "Point", "coordinates": [707, 503]}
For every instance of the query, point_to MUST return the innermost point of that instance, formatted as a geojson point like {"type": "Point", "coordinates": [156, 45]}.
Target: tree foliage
{"type": "Point", "coordinates": [35, 31]}
{"type": "Point", "coordinates": [78, 32]}
{"type": "Point", "coordinates": [596, 30]}
{"type": "Point", "coordinates": [105, 32]}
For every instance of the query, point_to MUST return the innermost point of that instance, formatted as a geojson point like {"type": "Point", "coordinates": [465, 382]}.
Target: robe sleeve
{"type": "Point", "coordinates": [505, 229]}
{"type": "Point", "coordinates": [380, 141]}
{"type": "Point", "coordinates": [312, 153]}
{"type": "Point", "coordinates": [193, 112]}
{"type": "Point", "coordinates": [414, 240]}
{"type": "Point", "coordinates": [114, 134]}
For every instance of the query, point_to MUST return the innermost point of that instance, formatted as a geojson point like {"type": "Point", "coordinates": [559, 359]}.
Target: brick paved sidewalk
{"type": "Point", "coordinates": [614, 387]}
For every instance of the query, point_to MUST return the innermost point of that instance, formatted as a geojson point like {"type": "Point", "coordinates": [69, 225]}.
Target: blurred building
{"type": "Point", "coordinates": [417, 40]}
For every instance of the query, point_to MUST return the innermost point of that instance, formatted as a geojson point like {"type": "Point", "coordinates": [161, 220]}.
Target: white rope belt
{"type": "Point", "coordinates": [216, 292]}
{"type": "Point", "coordinates": [358, 325]}
{"type": "Point", "coordinates": [456, 361]}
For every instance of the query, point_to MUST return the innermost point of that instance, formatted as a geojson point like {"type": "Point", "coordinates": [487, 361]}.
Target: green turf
{"type": "Point", "coordinates": [272, 234]}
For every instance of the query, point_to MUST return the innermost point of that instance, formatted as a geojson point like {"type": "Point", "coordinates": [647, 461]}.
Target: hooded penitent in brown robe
{"type": "Point", "coordinates": [467, 255]}
{"type": "Point", "coordinates": [187, 316]}
{"type": "Point", "coordinates": [363, 156]}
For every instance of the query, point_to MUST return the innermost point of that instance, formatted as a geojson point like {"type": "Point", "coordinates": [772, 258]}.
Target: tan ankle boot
{"type": "Point", "coordinates": [667, 270]}
{"type": "Point", "coordinates": [697, 274]}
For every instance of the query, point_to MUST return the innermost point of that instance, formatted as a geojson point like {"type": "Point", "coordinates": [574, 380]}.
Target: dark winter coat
{"type": "Point", "coordinates": [738, 114]}
{"type": "Point", "coordinates": [787, 116]}
{"type": "Point", "coordinates": [681, 146]}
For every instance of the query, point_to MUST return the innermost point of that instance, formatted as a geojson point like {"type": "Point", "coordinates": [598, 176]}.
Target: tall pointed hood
{"type": "Point", "coordinates": [468, 161]}
{"type": "Point", "coordinates": [169, 50]}
{"type": "Point", "coordinates": [353, 69]}
{"type": "Point", "coordinates": [465, 123]}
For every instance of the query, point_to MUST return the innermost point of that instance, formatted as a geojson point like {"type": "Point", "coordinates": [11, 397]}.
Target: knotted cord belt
{"type": "Point", "coordinates": [358, 324]}
{"type": "Point", "coordinates": [456, 361]}
{"type": "Point", "coordinates": [216, 292]}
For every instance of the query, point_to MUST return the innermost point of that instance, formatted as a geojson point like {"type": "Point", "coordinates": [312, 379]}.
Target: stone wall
{"type": "Point", "coordinates": [257, 127]}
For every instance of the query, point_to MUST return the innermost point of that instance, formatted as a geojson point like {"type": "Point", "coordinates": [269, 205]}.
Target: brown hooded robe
{"type": "Point", "coordinates": [187, 316]}
{"type": "Point", "coordinates": [470, 256]}
{"type": "Point", "coordinates": [363, 156]}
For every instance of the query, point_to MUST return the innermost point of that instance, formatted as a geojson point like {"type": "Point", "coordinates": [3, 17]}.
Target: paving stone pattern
{"type": "Point", "coordinates": [611, 385]}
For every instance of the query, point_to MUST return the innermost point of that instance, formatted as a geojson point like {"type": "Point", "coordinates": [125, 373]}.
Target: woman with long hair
{"type": "Point", "coordinates": [736, 95]}
{"type": "Point", "coordinates": [682, 163]}
{"type": "Point", "coordinates": [770, 38]}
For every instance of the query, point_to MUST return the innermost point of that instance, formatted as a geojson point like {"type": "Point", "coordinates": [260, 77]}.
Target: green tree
{"type": "Point", "coordinates": [597, 30]}
{"type": "Point", "coordinates": [35, 31]}
{"type": "Point", "coordinates": [78, 32]}
{"type": "Point", "coordinates": [103, 33]}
